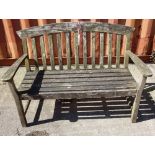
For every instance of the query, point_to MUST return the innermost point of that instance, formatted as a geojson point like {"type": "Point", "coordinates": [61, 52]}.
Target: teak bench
{"type": "Point", "coordinates": [82, 78]}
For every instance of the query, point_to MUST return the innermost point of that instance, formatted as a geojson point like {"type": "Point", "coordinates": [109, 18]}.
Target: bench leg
{"type": "Point", "coordinates": [18, 103]}
{"type": "Point", "coordinates": [136, 103]}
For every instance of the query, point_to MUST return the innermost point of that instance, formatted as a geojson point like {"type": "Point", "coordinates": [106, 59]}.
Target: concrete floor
{"type": "Point", "coordinates": [92, 118]}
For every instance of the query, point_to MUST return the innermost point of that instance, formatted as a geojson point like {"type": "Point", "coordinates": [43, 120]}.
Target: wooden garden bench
{"type": "Point", "coordinates": [76, 77]}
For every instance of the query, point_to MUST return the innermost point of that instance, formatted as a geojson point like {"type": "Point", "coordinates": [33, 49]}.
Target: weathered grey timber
{"type": "Point", "coordinates": [42, 45]}
{"type": "Point", "coordinates": [74, 27]}
{"type": "Point", "coordinates": [76, 49]}
{"type": "Point", "coordinates": [101, 50]}
{"type": "Point", "coordinates": [118, 44]}
{"type": "Point", "coordinates": [137, 100]}
{"type": "Point", "coordinates": [50, 42]}
{"type": "Point", "coordinates": [73, 82]}
{"type": "Point", "coordinates": [128, 47]}
{"type": "Point", "coordinates": [13, 69]}
{"type": "Point", "coordinates": [18, 102]}
{"type": "Point", "coordinates": [140, 65]}
{"type": "Point", "coordinates": [68, 51]}
{"type": "Point", "coordinates": [59, 51]}
{"type": "Point", "coordinates": [27, 65]}
{"type": "Point", "coordinates": [35, 56]}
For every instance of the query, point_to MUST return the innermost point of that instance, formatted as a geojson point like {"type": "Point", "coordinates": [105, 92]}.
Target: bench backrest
{"type": "Point", "coordinates": [46, 32]}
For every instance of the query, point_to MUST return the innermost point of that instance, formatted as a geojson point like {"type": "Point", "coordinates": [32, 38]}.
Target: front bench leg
{"type": "Point", "coordinates": [18, 103]}
{"type": "Point", "coordinates": [136, 103]}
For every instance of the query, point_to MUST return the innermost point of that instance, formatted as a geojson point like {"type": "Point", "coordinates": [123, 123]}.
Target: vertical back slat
{"type": "Point", "coordinates": [59, 51]}
{"type": "Point", "coordinates": [24, 43]}
{"type": "Point", "coordinates": [101, 50]}
{"type": "Point", "coordinates": [68, 51]}
{"type": "Point", "coordinates": [118, 49]}
{"type": "Point", "coordinates": [50, 44]}
{"type": "Point", "coordinates": [126, 57]}
{"type": "Point", "coordinates": [76, 49]}
{"type": "Point", "coordinates": [93, 48]}
{"type": "Point", "coordinates": [84, 50]}
{"type": "Point", "coordinates": [43, 53]}
{"type": "Point", "coordinates": [109, 50]}
{"type": "Point", "coordinates": [35, 56]}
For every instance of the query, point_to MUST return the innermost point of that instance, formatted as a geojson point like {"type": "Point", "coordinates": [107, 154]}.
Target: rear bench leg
{"type": "Point", "coordinates": [18, 103]}
{"type": "Point", "coordinates": [136, 103]}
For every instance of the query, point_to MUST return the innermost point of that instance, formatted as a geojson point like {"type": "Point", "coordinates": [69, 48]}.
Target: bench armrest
{"type": "Point", "coordinates": [142, 67]}
{"type": "Point", "coordinates": [10, 73]}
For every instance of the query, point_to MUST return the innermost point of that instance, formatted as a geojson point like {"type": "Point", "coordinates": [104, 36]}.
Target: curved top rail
{"type": "Point", "coordinates": [74, 27]}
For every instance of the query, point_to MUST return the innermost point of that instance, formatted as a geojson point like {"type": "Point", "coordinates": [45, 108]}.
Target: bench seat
{"type": "Point", "coordinates": [71, 53]}
{"type": "Point", "coordinates": [66, 84]}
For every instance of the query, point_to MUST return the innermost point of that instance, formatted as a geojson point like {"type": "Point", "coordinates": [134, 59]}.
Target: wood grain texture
{"type": "Point", "coordinates": [42, 22]}
{"type": "Point", "coordinates": [26, 24]}
{"type": "Point", "coordinates": [113, 21]}
{"type": "Point", "coordinates": [101, 50]}
{"type": "Point", "coordinates": [9, 74]}
{"type": "Point", "coordinates": [76, 49]}
{"type": "Point", "coordinates": [68, 51]}
{"type": "Point", "coordinates": [67, 83]}
{"type": "Point", "coordinates": [79, 94]}
{"type": "Point", "coordinates": [35, 55]}
{"type": "Point", "coordinates": [136, 103]}
{"type": "Point", "coordinates": [43, 53]}
{"type": "Point", "coordinates": [128, 47]}
{"type": "Point", "coordinates": [129, 22]}
{"type": "Point", "coordinates": [74, 27]}
{"type": "Point", "coordinates": [63, 39]}
{"type": "Point", "coordinates": [59, 51]}
{"type": "Point", "coordinates": [50, 44]}
{"type": "Point", "coordinates": [78, 81]}
{"type": "Point", "coordinates": [27, 64]}
{"type": "Point", "coordinates": [145, 35]}
{"type": "Point", "coordinates": [84, 50]}
{"type": "Point", "coordinates": [18, 103]}
{"type": "Point", "coordinates": [118, 50]}
{"type": "Point", "coordinates": [11, 38]}
{"type": "Point", "coordinates": [142, 67]}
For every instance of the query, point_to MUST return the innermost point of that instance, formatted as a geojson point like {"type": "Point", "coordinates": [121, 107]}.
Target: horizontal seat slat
{"type": "Point", "coordinates": [86, 88]}
{"type": "Point", "coordinates": [80, 94]}
{"type": "Point", "coordinates": [77, 83]}
{"type": "Point", "coordinates": [73, 84]}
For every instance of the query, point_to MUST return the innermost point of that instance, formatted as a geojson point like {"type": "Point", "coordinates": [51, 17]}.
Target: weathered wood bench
{"type": "Point", "coordinates": [82, 78]}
